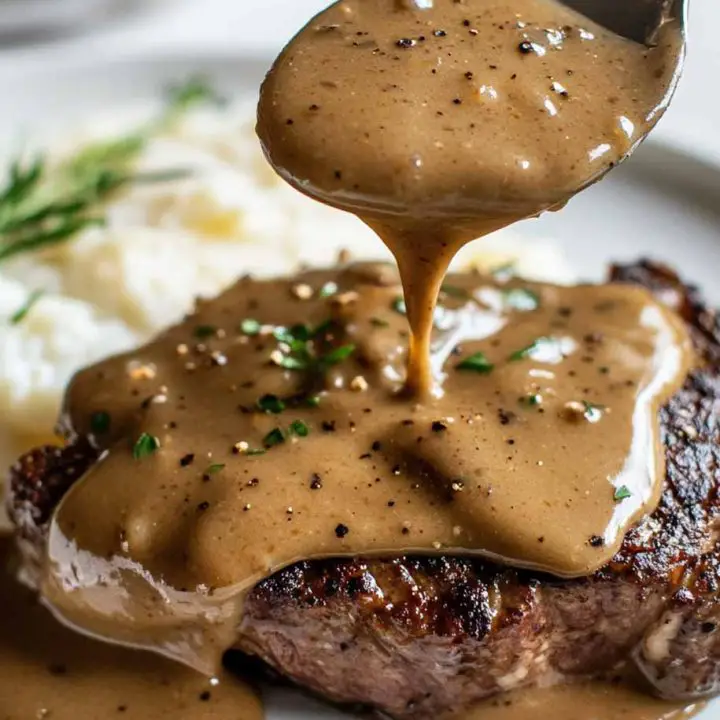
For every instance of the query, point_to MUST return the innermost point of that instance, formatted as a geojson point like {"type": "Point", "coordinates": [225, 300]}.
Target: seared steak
{"type": "Point", "coordinates": [419, 636]}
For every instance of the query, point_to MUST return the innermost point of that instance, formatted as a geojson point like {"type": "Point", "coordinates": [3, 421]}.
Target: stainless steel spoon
{"type": "Point", "coordinates": [638, 20]}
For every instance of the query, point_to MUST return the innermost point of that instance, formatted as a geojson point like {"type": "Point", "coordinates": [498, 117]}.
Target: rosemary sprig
{"type": "Point", "coordinates": [21, 313]}
{"type": "Point", "coordinates": [42, 205]}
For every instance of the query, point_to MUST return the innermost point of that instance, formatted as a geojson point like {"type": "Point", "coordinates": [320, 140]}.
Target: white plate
{"type": "Point", "coordinates": [26, 18]}
{"type": "Point", "coordinates": [664, 203]}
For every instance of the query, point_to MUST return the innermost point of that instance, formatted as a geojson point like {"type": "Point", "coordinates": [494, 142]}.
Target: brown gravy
{"type": "Point", "coordinates": [296, 419]}
{"type": "Point", "coordinates": [583, 701]}
{"type": "Point", "coordinates": [277, 445]}
{"type": "Point", "coordinates": [437, 125]}
{"type": "Point", "coordinates": [48, 671]}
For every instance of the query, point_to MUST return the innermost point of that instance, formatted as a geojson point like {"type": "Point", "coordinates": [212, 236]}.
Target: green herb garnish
{"type": "Point", "coordinates": [521, 299]}
{"type": "Point", "coordinates": [527, 352]}
{"type": "Point", "coordinates": [293, 363]}
{"type": "Point", "coordinates": [399, 306]}
{"type": "Point", "coordinates": [214, 468]}
{"type": "Point", "coordinates": [299, 348]}
{"type": "Point", "coordinates": [145, 446]}
{"type": "Point", "coordinates": [44, 205]}
{"type": "Point", "coordinates": [295, 334]}
{"type": "Point", "coordinates": [477, 363]}
{"type": "Point", "coordinates": [322, 329]}
{"type": "Point", "coordinates": [278, 435]}
{"type": "Point", "coordinates": [379, 322]}
{"type": "Point", "coordinates": [532, 400]}
{"type": "Point", "coordinates": [273, 438]}
{"type": "Point", "coordinates": [622, 493]}
{"type": "Point", "coordinates": [299, 428]}
{"type": "Point", "coordinates": [328, 290]}
{"type": "Point", "coordinates": [19, 315]}
{"type": "Point", "coordinates": [204, 331]}
{"type": "Point", "coordinates": [337, 355]}
{"type": "Point", "coordinates": [195, 91]}
{"type": "Point", "coordinates": [593, 413]}
{"type": "Point", "coordinates": [255, 451]}
{"type": "Point", "coordinates": [312, 401]}
{"type": "Point", "coordinates": [99, 422]}
{"type": "Point", "coordinates": [250, 326]}
{"type": "Point", "coordinates": [271, 404]}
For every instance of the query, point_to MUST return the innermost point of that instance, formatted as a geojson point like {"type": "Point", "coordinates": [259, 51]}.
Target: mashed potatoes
{"type": "Point", "coordinates": [111, 288]}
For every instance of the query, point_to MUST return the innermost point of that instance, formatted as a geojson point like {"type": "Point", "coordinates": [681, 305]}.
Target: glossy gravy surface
{"type": "Point", "coordinates": [48, 671]}
{"type": "Point", "coordinates": [279, 435]}
{"type": "Point", "coordinates": [439, 122]}
{"type": "Point", "coordinates": [296, 419]}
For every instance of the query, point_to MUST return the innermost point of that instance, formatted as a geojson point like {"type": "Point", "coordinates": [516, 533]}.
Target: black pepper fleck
{"type": "Point", "coordinates": [187, 460]}
{"type": "Point", "coordinates": [506, 417]}
{"type": "Point", "coordinates": [526, 47]}
{"type": "Point", "coordinates": [341, 531]}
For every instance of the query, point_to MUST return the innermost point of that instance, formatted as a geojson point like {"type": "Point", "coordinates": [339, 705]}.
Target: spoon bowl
{"type": "Point", "coordinates": [642, 21]}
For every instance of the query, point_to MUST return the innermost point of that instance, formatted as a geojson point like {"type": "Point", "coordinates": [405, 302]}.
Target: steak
{"type": "Point", "coordinates": [418, 636]}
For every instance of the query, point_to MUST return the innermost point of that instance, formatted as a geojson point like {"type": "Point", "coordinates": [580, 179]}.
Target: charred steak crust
{"type": "Point", "coordinates": [416, 636]}
{"type": "Point", "coordinates": [39, 481]}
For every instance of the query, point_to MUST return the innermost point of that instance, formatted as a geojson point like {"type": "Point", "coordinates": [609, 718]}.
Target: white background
{"type": "Point", "coordinates": [261, 27]}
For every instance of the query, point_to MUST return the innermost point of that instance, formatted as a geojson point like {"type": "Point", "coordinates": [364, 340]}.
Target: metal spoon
{"type": "Point", "coordinates": [641, 21]}
{"type": "Point", "coordinates": [637, 20]}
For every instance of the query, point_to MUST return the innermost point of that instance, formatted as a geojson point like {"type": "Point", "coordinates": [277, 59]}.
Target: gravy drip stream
{"type": "Point", "coordinates": [437, 125]}
{"type": "Point", "coordinates": [267, 429]}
